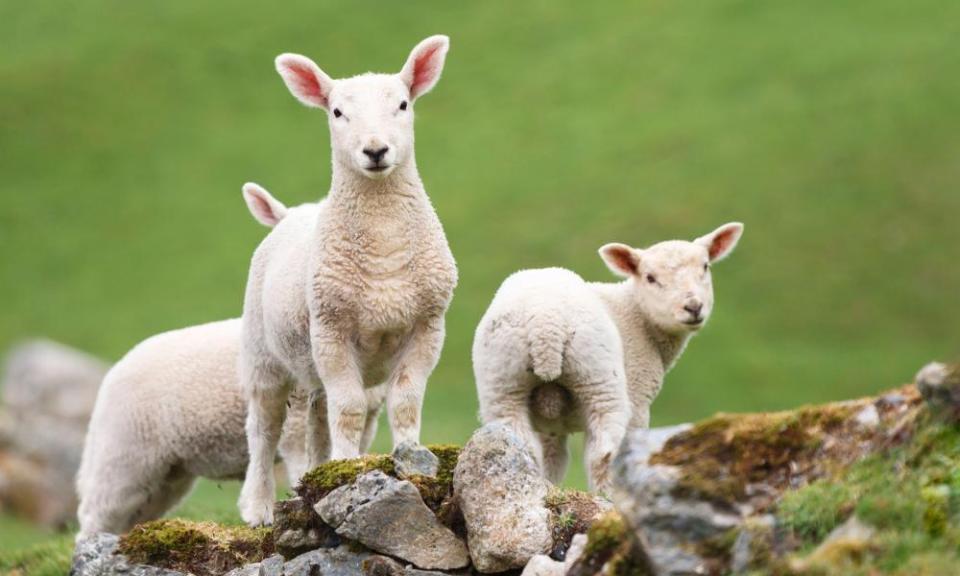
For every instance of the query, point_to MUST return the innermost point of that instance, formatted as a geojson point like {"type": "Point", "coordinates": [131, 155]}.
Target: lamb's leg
{"type": "Point", "coordinates": [113, 502]}
{"type": "Point", "coordinates": [318, 428]}
{"type": "Point", "coordinates": [408, 382]}
{"type": "Point", "coordinates": [337, 368]}
{"type": "Point", "coordinates": [174, 487]}
{"type": "Point", "coordinates": [266, 391]}
{"type": "Point", "coordinates": [556, 456]}
{"type": "Point", "coordinates": [606, 418]}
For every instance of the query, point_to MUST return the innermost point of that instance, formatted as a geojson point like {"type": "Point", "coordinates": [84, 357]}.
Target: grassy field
{"type": "Point", "coordinates": [831, 129]}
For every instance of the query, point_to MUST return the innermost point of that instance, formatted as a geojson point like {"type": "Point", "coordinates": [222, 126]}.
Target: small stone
{"type": "Point", "coordinates": [501, 493]}
{"type": "Point", "coordinates": [97, 556]}
{"type": "Point", "coordinates": [411, 459]}
{"type": "Point", "coordinates": [340, 561]}
{"type": "Point", "coordinates": [939, 384]}
{"type": "Point", "coordinates": [868, 417]}
{"type": "Point", "coordinates": [543, 565]}
{"type": "Point", "coordinates": [388, 515]}
{"type": "Point", "coordinates": [272, 566]}
{"type": "Point", "coordinates": [381, 566]}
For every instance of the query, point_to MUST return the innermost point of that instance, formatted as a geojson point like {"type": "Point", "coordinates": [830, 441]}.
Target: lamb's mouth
{"type": "Point", "coordinates": [377, 168]}
{"type": "Point", "coordinates": [694, 322]}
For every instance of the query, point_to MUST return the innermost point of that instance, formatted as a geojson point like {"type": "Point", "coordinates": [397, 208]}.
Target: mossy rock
{"type": "Point", "coordinates": [201, 548]}
{"type": "Point", "coordinates": [722, 456]}
{"type": "Point", "coordinates": [331, 475]}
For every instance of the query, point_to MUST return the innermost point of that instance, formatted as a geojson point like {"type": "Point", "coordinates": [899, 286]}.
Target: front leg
{"type": "Point", "coordinates": [408, 382]}
{"type": "Point", "coordinates": [336, 361]}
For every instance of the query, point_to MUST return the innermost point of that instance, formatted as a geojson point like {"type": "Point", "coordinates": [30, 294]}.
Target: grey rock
{"type": "Point", "coordinates": [645, 442]}
{"type": "Point", "coordinates": [297, 528]}
{"type": "Point", "coordinates": [669, 526]}
{"type": "Point", "coordinates": [377, 565]}
{"type": "Point", "coordinates": [501, 494]}
{"type": "Point", "coordinates": [868, 417]}
{"type": "Point", "coordinates": [96, 556]}
{"type": "Point", "coordinates": [48, 392]}
{"type": "Point", "coordinates": [749, 548]}
{"type": "Point", "coordinates": [388, 515]}
{"type": "Point", "coordinates": [340, 561]}
{"type": "Point", "coordinates": [543, 565]}
{"type": "Point", "coordinates": [939, 384]}
{"type": "Point", "coordinates": [411, 459]}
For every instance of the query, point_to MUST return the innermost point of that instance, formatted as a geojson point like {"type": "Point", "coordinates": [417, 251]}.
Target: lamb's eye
{"type": "Point", "coordinates": [706, 266]}
{"type": "Point", "coordinates": [337, 112]}
{"type": "Point", "coordinates": [651, 279]}
{"type": "Point", "coordinates": [403, 105]}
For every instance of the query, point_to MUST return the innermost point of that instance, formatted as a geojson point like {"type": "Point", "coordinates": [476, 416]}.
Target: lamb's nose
{"type": "Point", "coordinates": [694, 307]}
{"type": "Point", "coordinates": [377, 155]}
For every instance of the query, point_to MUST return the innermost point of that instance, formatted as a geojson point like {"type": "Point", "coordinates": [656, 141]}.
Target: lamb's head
{"type": "Point", "coordinates": [370, 115]}
{"type": "Point", "coordinates": [671, 280]}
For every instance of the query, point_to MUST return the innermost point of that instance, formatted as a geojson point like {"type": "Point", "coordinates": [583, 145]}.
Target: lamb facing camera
{"type": "Point", "coordinates": [356, 297]}
{"type": "Point", "coordinates": [555, 354]}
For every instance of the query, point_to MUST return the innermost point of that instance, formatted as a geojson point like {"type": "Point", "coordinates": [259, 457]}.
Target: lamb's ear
{"type": "Point", "coordinates": [265, 208]}
{"type": "Point", "coordinates": [621, 259]}
{"type": "Point", "coordinates": [305, 79]}
{"type": "Point", "coordinates": [424, 65]}
{"type": "Point", "coordinates": [721, 242]}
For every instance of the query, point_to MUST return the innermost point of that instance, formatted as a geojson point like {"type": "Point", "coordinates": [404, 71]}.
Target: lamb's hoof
{"type": "Point", "coordinates": [412, 459]}
{"type": "Point", "coordinates": [257, 513]}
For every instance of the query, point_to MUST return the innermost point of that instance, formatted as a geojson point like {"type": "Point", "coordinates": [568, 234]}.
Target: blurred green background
{"type": "Point", "coordinates": [830, 128]}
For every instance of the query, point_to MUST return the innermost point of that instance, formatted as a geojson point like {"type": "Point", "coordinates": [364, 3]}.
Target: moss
{"type": "Point", "coordinates": [723, 455]}
{"type": "Point", "coordinates": [572, 512]}
{"type": "Point", "coordinates": [329, 476]}
{"type": "Point", "coordinates": [910, 493]}
{"type": "Point", "coordinates": [201, 548]}
{"type": "Point", "coordinates": [612, 550]}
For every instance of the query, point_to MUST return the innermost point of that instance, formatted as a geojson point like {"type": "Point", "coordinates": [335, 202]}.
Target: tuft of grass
{"type": "Point", "coordinates": [909, 494]}
{"type": "Point", "coordinates": [50, 558]}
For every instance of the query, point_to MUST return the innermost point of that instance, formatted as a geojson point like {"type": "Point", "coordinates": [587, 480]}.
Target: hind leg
{"type": "Point", "coordinates": [606, 425]}
{"type": "Point", "coordinates": [118, 494]}
{"type": "Point", "coordinates": [175, 486]}
{"type": "Point", "coordinates": [556, 456]}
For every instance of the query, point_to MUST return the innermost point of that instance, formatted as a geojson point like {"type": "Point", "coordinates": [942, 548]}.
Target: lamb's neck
{"type": "Point", "coordinates": [349, 188]}
{"type": "Point", "coordinates": [635, 327]}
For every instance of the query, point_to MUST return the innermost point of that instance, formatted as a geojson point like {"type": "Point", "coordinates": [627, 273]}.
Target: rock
{"type": "Point", "coordinates": [669, 523]}
{"type": "Point", "coordinates": [868, 417]}
{"type": "Point", "coordinates": [297, 528]}
{"type": "Point", "coordinates": [939, 384]}
{"type": "Point", "coordinates": [845, 546]}
{"type": "Point", "coordinates": [48, 394]}
{"type": "Point", "coordinates": [97, 556]}
{"type": "Point", "coordinates": [543, 565]}
{"type": "Point", "coordinates": [752, 548]}
{"type": "Point", "coordinates": [645, 442]}
{"type": "Point", "coordinates": [384, 566]}
{"type": "Point", "coordinates": [388, 515]}
{"type": "Point", "coordinates": [501, 494]}
{"type": "Point", "coordinates": [411, 459]}
{"type": "Point", "coordinates": [339, 561]}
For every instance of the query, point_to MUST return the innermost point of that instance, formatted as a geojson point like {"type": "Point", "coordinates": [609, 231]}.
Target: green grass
{"type": "Point", "coordinates": [830, 128]}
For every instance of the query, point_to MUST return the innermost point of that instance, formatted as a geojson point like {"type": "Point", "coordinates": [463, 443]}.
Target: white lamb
{"type": "Point", "coordinates": [357, 297]}
{"type": "Point", "coordinates": [555, 354]}
{"type": "Point", "coordinates": [172, 410]}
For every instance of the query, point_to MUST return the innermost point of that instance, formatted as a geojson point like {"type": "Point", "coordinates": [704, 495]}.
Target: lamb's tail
{"type": "Point", "coordinates": [548, 337]}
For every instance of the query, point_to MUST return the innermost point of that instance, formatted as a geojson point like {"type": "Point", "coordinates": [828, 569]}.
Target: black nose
{"type": "Point", "coordinates": [376, 156]}
{"type": "Point", "coordinates": [694, 308]}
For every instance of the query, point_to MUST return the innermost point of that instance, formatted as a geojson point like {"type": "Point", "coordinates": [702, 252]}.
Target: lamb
{"type": "Point", "coordinates": [555, 354]}
{"type": "Point", "coordinates": [356, 298]}
{"type": "Point", "coordinates": [172, 410]}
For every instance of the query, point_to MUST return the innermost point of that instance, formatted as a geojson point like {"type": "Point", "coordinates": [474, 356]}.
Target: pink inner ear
{"type": "Point", "coordinates": [623, 260]}
{"type": "Point", "coordinates": [307, 83]}
{"type": "Point", "coordinates": [424, 69]}
{"type": "Point", "coordinates": [263, 208]}
{"type": "Point", "coordinates": [721, 243]}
